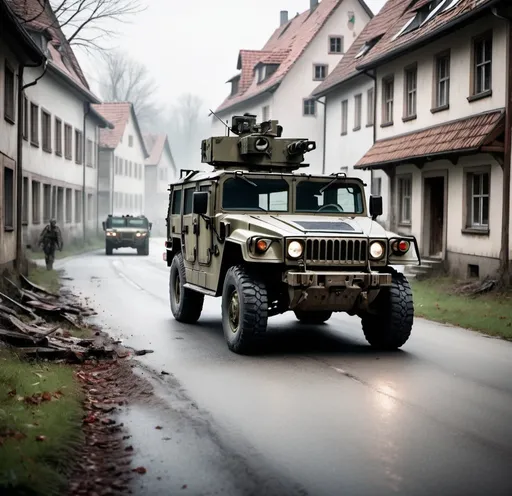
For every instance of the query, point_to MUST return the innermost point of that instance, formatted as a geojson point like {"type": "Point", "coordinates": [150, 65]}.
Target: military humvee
{"type": "Point", "coordinates": [268, 239]}
{"type": "Point", "coordinates": [127, 231]}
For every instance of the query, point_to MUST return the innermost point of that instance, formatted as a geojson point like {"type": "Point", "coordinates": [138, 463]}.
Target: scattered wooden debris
{"type": "Point", "coordinates": [33, 325]}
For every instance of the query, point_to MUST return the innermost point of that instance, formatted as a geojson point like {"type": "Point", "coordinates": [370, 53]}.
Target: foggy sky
{"type": "Point", "coordinates": [192, 46]}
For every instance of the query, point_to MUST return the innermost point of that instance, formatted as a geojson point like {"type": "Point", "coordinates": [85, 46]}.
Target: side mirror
{"type": "Point", "coordinates": [104, 227]}
{"type": "Point", "coordinates": [375, 206]}
{"type": "Point", "coordinates": [150, 226]}
{"type": "Point", "coordinates": [200, 202]}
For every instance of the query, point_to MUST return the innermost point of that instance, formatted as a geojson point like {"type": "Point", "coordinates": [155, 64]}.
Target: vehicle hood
{"type": "Point", "coordinates": [318, 225]}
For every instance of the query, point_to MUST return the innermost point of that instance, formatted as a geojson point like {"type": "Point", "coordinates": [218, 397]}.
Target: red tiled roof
{"type": "Point", "coordinates": [293, 37]}
{"type": "Point", "coordinates": [462, 135]}
{"type": "Point", "coordinates": [155, 144]}
{"type": "Point", "coordinates": [118, 113]}
{"type": "Point", "coordinates": [442, 21]}
{"type": "Point", "coordinates": [346, 69]}
{"type": "Point", "coordinates": [39, 16]}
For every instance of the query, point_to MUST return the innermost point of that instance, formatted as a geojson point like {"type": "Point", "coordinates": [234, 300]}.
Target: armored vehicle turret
{"type": "Point", "coordinates": [268, 238]}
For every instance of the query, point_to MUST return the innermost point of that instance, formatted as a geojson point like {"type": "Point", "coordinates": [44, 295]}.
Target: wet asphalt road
{"type": "Point", "coordinates": [318, 413]}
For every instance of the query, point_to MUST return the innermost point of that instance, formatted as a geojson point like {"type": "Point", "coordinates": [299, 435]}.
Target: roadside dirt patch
{"type": "Point", "coordinates": [104, 463]}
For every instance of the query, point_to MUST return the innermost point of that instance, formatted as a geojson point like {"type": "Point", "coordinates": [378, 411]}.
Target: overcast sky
{"type": "Point", "coordinates": [192, 46]}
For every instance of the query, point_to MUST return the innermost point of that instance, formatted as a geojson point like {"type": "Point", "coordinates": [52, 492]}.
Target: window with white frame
{"type": "Point", "coordinates": [68, 141]}
{"type": "Point", "coordinates": [78, 147]}
{"type": "Point", "coordinates": [388, 89]}
{"type": "Point", "coordinates": [482, 64]}
{"type": "Point", "coordinates": [46, 125]}
{"type": "Point", "coordinates": [319, 72]}
{"type": "Point", "coordinates": [442, 80]}
{"type": "Point", "coordinates": [370, 109]}
{"type": "Point", "coordinates": [26, 119]}
{"type": "Point", "coordinates": [309, 107]}
{"type": "Point", "coordinates": [9, 93]}
{"type": "Point", "coordinates": [58, 137]}
{"type": "Point", "coordinates": [478, 200]}
{"type": "Point", "coordinates": [404, 199]}
{"type": "Point", "coordinates": [410, 84]}
{"type": "Point", "coordinates": [358, 108]}
{"type": "Point", "coordinates": [344, 117]}
{"type": "Point", "coordinates": [34, 124]}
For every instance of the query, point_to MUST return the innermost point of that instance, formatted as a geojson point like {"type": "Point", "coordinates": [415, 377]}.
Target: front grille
{"type": "Point", "coordinates": [127, 236]}
{"type": "Point", "coordinates": [326, 251]}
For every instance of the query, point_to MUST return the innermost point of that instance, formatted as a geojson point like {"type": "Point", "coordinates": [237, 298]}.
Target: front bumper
{"type": "Point", "coordinates": [334, 291]}
{"type": "Point", "coordinates": [119, 242]}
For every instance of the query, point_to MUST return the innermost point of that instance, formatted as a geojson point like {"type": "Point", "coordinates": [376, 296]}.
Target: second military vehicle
{"type": "Point", "coordinates": [269, 239]}
{"type": "Point", "coordinates": [127, 231]}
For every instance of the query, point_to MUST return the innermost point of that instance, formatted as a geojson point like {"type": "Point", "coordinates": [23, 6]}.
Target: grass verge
{"type": "Point", "coordinates": [441, 300]}
{"type": "Point", "coordinates": [48, 279]}
{"type": "Point", "coordinates": [76, 248]}
{"type": "Point", "coordinates": [40, 426]}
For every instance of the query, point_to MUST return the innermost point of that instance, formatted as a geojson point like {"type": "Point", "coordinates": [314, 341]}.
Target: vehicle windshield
{"type": "Point", "coordinates": [119, 222]}
{"type": "Point", "coordinates": [247, 193]}
{"type": "Point", "coordinates": [336, 197]}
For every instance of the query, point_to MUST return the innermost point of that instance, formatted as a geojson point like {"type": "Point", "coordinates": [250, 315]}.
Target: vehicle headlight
{"type": "Point", "coordinates": [377, 250]}
{"type": "Point", "coordinates": [295, 249]}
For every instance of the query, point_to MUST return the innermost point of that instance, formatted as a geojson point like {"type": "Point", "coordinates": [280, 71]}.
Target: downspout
{"type": "Point", "coordinates": [374, 78]}
{"type": "Point", "coordinates": [97, 181]}
{"type": "Point", "coordinates": [87, 109]}
{"type": "Point", "coordinates": [504, 270]}
{"type": "Point", "coordinates": [324, 138]}
{"type": "Point", "coordinates": [19, 160]}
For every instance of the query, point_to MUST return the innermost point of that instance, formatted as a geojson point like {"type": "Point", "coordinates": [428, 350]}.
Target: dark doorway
{"type": "Point", "coordinates": [434, 218]}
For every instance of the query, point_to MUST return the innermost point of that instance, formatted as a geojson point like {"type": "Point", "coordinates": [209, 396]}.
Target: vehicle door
{"type": "Point", "coordinates": [205, 233]}
{"type": "Point", "coordinates": [189, 226]}
{"type": "Point", "coordinates": [174, 214]}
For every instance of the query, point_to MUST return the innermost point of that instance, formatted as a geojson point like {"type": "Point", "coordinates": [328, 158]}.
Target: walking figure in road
{"type": "Point", "coordinates": [50, 239]}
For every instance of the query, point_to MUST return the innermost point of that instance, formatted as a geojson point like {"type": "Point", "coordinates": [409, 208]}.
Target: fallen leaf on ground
{"type": "Point", "coordinates": [139, 470]}
{"type": "Point", "coordinates": [11, 393]}
{"type": "Point", "coordinates": [129, 448]}
{"type": "Point", "coordinates": [184, 486]}
{"type": "Point", "coordinates": [40, 438]}
{"type": "Point", "coordinates": [47, 396]}
{"type": "Point", "coordinates": [159, 427]}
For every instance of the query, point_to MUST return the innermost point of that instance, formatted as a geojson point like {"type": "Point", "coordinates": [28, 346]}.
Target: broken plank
{"type": "Point", "coordinates": [18, 305]}
{"type": "Point", "coordinates": [51, 354]}
{"type": "Point", "coordinates": [35, 286]}
{"type": "Point", "coordinates": [19, 339]}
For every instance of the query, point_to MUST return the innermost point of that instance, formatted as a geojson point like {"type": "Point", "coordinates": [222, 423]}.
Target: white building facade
{"type": "Point", "coordinates": [277, 81]}
{"type": "Point", "coordinates": [160, 170]}
{"type": "Point", "coordinates": [440, 134]}
{"type": "Point", "coordinates": [121, 162]}
{"type": "Point", "coordinates": [16, 51]}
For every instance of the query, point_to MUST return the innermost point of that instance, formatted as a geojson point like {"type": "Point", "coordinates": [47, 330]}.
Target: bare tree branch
{"type": "Point", "coordinates": [122, 79]}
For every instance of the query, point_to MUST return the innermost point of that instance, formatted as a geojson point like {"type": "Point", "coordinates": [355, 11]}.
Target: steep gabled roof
{"type": "Point", "coordinates": [22, 44]}
{"type": "Point", "coordinates": [118, 113]}
{"type": "Point", "coordinates": [156, 144]}
{"type": "Point", "coordinates": [440, 18]}
{"type": "Point", "coordinates": [374, 29]}
{"type": "Point", "coordinates": [38, 16]}
{"type": "Point", "coordinates": [284, 47]}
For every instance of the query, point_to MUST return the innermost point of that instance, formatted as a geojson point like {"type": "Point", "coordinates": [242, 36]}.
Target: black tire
{"type": "Point", "coordinates": [313, 318]}
{"type": "Point", "coordinates": [391, 326]}
{"type": "Point", "coordinates": [108, 248]}
{"type": "Point", "coordinates": [244, 310]}
{"type": "Point", "coordinates": [186, 304]}
{"type": "Point", "coordinates": [146, 248]}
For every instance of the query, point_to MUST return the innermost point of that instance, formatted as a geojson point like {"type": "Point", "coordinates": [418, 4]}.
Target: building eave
{"type": "Point", "coordinates": [88, 95]}
{"type": "Point", "coordinates": [105, 123]}
{"type": "Point", "coordinates": [245, 101]}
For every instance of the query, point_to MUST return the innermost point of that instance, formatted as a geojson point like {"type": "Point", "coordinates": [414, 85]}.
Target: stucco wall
{"type": "Point", "coordinates": [459, 44]}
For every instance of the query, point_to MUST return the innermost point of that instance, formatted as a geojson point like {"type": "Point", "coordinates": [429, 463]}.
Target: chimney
{"type": "Point", "coordinates": [313, 4]}
{"type": "Point", "coordinates": [284, 17]}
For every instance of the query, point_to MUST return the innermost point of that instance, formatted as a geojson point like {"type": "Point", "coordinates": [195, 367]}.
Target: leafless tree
{"type": "Point", "coordinates": [84, 22]}
{"type": "Point", "coordinates": [122, 79]}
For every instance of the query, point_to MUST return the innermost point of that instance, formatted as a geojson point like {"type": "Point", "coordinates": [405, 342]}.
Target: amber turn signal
{"type": "Point", "coordinates": [262, 245]}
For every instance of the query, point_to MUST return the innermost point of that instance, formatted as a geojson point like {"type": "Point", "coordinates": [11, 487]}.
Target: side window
{"type": "Point", "coordinates": [187, 209]}
{"type": "Point", "coordinates": [176, 201]}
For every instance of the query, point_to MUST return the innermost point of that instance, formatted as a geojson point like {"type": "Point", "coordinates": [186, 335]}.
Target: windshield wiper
{"type": "Point", "coordinates": [240, 175]}
{"type": "Point", "coordinates": [339, 175]}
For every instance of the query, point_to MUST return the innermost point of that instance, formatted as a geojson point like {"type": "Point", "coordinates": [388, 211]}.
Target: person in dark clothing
{"type": "Point", "coordinates": [50, 239]}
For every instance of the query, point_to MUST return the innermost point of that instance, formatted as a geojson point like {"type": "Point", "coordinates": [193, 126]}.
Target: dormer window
{"type": "Point", "coordinates": [425, 14]}
{"type": "Point", "coordinates": [368, 46]}
{"type": "Point", "coordinates": [235, 85]}
{"type": "Point", "coordinates": [40, 39]}
{"type": "Point", "coordinates": [264, 71]}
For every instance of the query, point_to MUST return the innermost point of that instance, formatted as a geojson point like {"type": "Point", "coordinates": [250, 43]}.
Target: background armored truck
{"type": "Point", "coordinates": [268, 239]}
{"type": "Point", "coordinates": [127, 231]}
